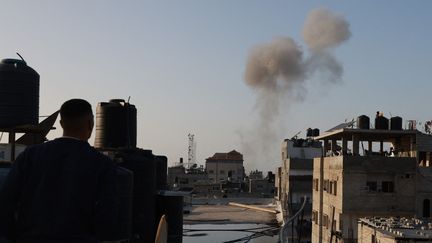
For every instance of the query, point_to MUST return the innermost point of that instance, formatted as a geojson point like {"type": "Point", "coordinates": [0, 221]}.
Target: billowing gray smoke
{"type": "Point", "coordinates": [278, 72]}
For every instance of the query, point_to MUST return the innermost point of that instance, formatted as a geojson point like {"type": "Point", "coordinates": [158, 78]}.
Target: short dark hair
{"type": "Point", "coordinates": [75, 109]}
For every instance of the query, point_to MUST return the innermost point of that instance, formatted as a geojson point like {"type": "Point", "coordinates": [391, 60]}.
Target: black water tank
{"type": "Point", "coordinates": [4, 171]}
{"type": "Point", "coordinates": [125, 193]}
{"type": "Point", "coordinates": [143, 165]}
{"type": "Point", "coordinates": [381, 123]}
{"type": "Point", "coordinates": [116, 124]}
{"type": "Point", "coordinates": [172, 208]}
{"type": "Point", "coordinates": [19, 94]}
{"type": "Point", "coordinates": [396, 123]}
{"type": "Point", "coordinates": [363, 122]}
{"type": "Point", "coordinates": [315, 132]}
{"type": "Point", "coordinates": [309, 132]}
{"type": "Point", "coordinates": [161, 172]}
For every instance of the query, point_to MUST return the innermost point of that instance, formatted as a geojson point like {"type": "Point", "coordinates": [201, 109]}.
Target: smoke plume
{"type": "Point", "coordinates": [278, 72]}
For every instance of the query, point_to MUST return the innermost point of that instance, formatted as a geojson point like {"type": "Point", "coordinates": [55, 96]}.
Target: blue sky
{"type": "Point", "coordinates": [182, 63]}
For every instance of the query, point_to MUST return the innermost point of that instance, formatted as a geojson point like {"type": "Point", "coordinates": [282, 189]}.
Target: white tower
{"type": "Point", "coordinates": [191, 151]}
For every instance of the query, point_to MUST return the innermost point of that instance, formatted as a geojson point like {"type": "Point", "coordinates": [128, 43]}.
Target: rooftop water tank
{"type": "Point", "coordinates": [143, 165]}
{"type": "Point", "coordinates": [363, 122]}
{"type": "Point", "coordinates": [19, 94]}
{"type": "Point", "coordinates": [309, 132]}
{"type": "Point", "coordinates": [315, 132]}
{"type": "Point", "coordinates": [116, 124]}
{"type": "Point", "coordinates": [381, 123]}
{"type": "Point", "coordinates": [396, 123]}
{"type": "Point", "coordinates": [125, 193]}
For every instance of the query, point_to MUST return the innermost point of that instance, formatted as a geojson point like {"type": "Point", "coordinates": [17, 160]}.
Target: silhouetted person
{"type": "Point", "coordinates": [63, 190]}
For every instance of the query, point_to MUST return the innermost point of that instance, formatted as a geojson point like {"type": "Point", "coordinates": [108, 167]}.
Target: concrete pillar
{"type": "Point", "coordinates": [381, 147]}
{"type": "Point", "coordinates": [370, 147]}
{"type": "Point", "coordinates": [325, 147]}
{"type": "Point", "coordinates": [334, 145]}
{"type": "Point", "coordinates": [344, 146]}
{"type": "Point", "coordinates": [355, 145]}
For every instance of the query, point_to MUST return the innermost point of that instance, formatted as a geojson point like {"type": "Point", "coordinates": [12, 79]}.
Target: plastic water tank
{"type": "Point", "coordinates": [381, 123]}
{"type": "Point", "coordinates": [19, 94]}
{"type": "Point", "coordinates": [363, 122]}
{"type": "Point", "coordinates": [4, 171]}
{"type": "Point", "coordinates": [161, 172]}
{"type": "Point", "coordinates": [143, 165]}
{"type": "Point", "coordinates": [315, 132]}
{"type": "Point", "coordinates": [309, 132]}
{"type": "Point", "coordinates": [396, 123]}
{"type": "Point", "coordinates": [125, 193]}
{"type": "Point", "coordinates": [116, 124]}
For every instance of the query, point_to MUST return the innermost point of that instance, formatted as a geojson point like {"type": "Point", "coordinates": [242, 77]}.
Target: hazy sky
{"type": "Point", "coordinates": [183, 63]}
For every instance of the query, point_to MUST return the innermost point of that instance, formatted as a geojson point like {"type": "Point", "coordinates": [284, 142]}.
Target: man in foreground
{"type": "Point", "coordinates": [63, 190]}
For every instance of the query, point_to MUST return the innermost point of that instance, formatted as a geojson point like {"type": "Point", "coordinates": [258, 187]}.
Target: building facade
{"type": "Point", "coordinates": [353, 181]}
{"type": "Point", "coordinates": [225, 167]}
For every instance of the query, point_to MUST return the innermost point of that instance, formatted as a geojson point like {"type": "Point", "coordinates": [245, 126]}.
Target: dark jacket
{"type": "Point", "coordinates": [60, 191]}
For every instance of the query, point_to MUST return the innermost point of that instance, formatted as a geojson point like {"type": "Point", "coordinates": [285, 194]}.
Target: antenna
{"type": "Point", "coordinates": [21, 57]}
{"type": "Point", "coordinates": [191, 151]}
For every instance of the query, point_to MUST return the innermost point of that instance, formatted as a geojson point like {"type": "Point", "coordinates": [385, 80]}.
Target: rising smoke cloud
{"type": "Point", "coordinates": [278, 71]}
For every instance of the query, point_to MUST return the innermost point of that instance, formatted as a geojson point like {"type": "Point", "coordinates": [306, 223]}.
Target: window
{"type": "Point", "coordinates": [315, 217]}
{"type": "Point", "coordinates": [326, 182]}
{"type": "Point", "coordinates": [340, 222]}
{"type": "Point", "coordinates": [330, 187]}
{"type": "Point", "coordinates": [315, 184]}
{"type": "Point", "coordinates": [335, 188]}
{"type": "Point", "coordinates": [211, 171]}
{"type": "Point", "coordinates": [325, 221]}
{"type": "Point", "coordinates": [372, 186]}
{"type": "Point", "coordinates": [426, 208]}
{"type": "Point", "coordinates": [387, 186]}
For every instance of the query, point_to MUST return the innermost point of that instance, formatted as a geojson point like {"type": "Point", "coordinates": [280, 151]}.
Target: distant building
{"type": "Point", "coordinates": [261, 186]}
{"type": "Point", "coordinates": [394, 230]}
{"type": "Point", "coordinates": [294, 178]}
{"type": "Point", "coordinates": [358, 178]}
{"type": "Point", "coordinates": [193, 179]}
{"type": "Point", "coordinates": [225, 167]}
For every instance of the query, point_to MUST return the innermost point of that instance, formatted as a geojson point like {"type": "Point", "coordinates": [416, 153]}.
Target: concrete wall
{"type": "Point", "coordinates": [218, 171]}
{"type": "Point", "coordinates": [368, 234]}
{"type": "Point", "coordinates": [353, 199]}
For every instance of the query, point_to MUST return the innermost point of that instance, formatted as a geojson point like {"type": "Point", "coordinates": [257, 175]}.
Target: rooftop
{"type": "Point", "coordinates": [366, 134]}
{"type": "Point", "coordinates": [233, 155]}
{"type": "Point", "coordinates": [400, 227]}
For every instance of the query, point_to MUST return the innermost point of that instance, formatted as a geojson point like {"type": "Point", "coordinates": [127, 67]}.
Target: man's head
{"type": "Point", "coordinates": [76, 119]}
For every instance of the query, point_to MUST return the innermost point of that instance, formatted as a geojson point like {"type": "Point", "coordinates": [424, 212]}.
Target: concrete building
{"type": "Point", "coordinates": [224, 167]}
{"type": "Point", "coordinates": [294, 179]}
{"type": "Point", "coordinates": [357, 178]}
{"type": "Point", "coordinates": [193, 179]}
{"type": "Point", "coordinates": [261, 186]}
{"type": "Point", "coordinates": [394, 230]}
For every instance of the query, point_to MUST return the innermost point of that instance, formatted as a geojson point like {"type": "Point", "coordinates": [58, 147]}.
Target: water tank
{"type": "Point", "coordinates": [396, 123]}
{"type": "Point", "coordinates": [315, 132]}
{"type": "Point", "coordinates": [143, 165]}
{"type": "Point", "coordinates": [381, 123]}
{"type": "Point", "coordinates": [19, 94]}
{"type": "Point", "coordinates": [125, 193]}
{"type": "Point", "coordinates": [172, 207]}
{"type": "Point", "coordinates": [309, 132]}
{"type": "Point", "coordinates": [4, 171]}
{"type": "Point", "coordinates": [363, 122]}
{"type": "Point", "coordinates": [116, 124]}
{"type": "Point", "coordinates": [161, 172]}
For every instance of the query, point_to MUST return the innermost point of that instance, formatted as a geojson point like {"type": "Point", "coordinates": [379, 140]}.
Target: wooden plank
{"type": "Point", "coordinates": [253, 207]}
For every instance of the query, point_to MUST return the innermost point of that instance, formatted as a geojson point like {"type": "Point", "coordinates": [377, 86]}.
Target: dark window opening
{"type": "Point", "coordinates": [426, 208]}
{"type": "Point", "coordinates": [387, 186]}
{"type": "Point", "coordinates": [372, 186]}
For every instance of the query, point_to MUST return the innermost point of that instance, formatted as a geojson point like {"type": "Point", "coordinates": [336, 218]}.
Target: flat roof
{"type": "Point", "coordinates": [401, 228]}
{"type": "Point", "coordinates": [366, 134]}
